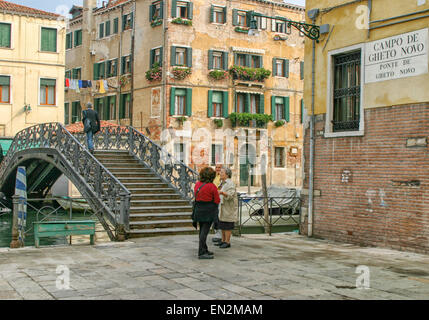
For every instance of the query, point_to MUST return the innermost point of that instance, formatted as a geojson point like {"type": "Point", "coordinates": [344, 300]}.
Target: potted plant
{"type": "Point", "coordinates": [155, 73]}
{"type": "Point", "coordinates": [181, 73]}
{"type": "Point", "coordinates": [279, 123]}
{"type": "Point", "coordinates": [181, 120]}
{"type": "Point", "coordinates": [218, 123]}
{"type": "Point", "coordinates": [182, 21]}
{"type": "Point", "coordinates": [218, 74]}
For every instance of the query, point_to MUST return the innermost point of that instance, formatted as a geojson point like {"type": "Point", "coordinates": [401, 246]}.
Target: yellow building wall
{"type": "Point", "coordinates": [346, 33]}
{"type": "Point", "coordinates": [26, 64]}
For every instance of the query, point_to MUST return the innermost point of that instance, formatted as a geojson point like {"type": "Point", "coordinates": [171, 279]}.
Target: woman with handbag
{"type": "Point", "coordinates": [205, 208]}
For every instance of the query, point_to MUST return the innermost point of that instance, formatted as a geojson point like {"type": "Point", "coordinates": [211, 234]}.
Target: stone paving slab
{"type": "Point", "coordinates": [256, 267]}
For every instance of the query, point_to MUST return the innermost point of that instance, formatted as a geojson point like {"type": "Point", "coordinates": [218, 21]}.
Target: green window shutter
{"type": "Point", "coordinates": [113, 100]}
{"type": "Point", "coordinates": [4, 81]}
{"type": "Point", "coordinates": [173, 8]}
{"type": "Point", "coordinates": [234, 17]}
{"type": "Point", "coordinates": [121, 107]}
{"type": "Point", "coordinates": [49, 39]}
{"type": "Point", "coordinates": [116, 68]}
{"type": "Point", "coordinates": [274, 67]}
{"type": "Point", "coordinates": [151, 9]}
{"type": "Point", "coordinates": [248, 56]}
{"type": "Point", "coordinates": [102, 69]}
{"type": "Point", "coordinates": [302, 70]}
{"type": "Point", "coordinates": [210, 104]}
{"type": "Point", "coordinates": [47, 82]}
{"type": "Point", "coordinates": [107, 28]}
{"type": "Point", "coordinates": [261, 62]}
{"type": "Point", "coordinates": [302, 110]}
{"type": "Point", "coordinates": [96, 71]}
{"type": "Point", "coordinates": [5, 35]}
{"type": "Point", "coordinates": [210, 59]}
{"type": "Point", "coordinates": [124, 22]}
{"type": "Point", "coordinates": [172, 100]}
{"type": "Point", "coordinates": [225, 60]}
{"type": "Point", "coordinates": [161, 11]}
{"type": "Point", "coordinates": [189, 57]}
{"type": "Point", "coordinates": [224, 15]}
{"type": "Point", "coordinates": [273, 107]}
{"type": "Point", "coordinates": [235, 58]}
{"type": "Point", "coordinates": [261, 104]}
{"type": "Point", "coordinates": [225, 104]}
{"type": "Point", "coordinates": [286, 106]}
{"type": "Point", "coordinates": [247, 103]}
{"type": "Point", "coordinates": [189, 102]}
{"type": "Point", "coordinates": [123, 59]}
{"type": "Point", "coordinates": [211, 14]}
{"type": "Point", "coordinates": [132, 20]}
{"type": "Point", "coordinates": [190, 10]}
{"type": "Point", "coordinates": [248, 17]}
{"type": "Point", "coordinates": [173, 56]}
{"type": "Point", "coordinates": [152, 57]}
{"type": "Point", "coordinates": [101, 30]}
{"type": "Point", "coordinates": [68, 36]}
{"type": "Point", "coordinates": [161, 52]}
{"type": "Point", "coordinates": [286, 66]}
{"type": "Point", "coordinates": [115, 25]}
{"type": "Point", "coordinates": [106, 108]}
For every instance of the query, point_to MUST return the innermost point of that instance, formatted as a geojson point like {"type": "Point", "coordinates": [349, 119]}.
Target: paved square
{"type": "Point", "coordinates": [283, 266]}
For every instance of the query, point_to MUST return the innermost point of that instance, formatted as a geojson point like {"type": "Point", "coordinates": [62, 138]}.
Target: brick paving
{"type": "Point", "coordinates": [284, 266]}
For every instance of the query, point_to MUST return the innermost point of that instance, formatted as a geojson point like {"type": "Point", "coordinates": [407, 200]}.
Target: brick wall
{"type": "Point", "coordinates": [375, 188]}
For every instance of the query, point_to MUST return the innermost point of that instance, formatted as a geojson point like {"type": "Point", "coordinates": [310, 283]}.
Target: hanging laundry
{"type": "Point", "coordinates": [67, 82]}
{"type": "Point", "coordinates": [84, 84]}
{"type": "Point", "coordinates": [89, 83]}
{"type": "Point", "coordinates": [102, 90]}
{"type": "Point", "coordinates": [106, 86]}
{"type": "Point", "coordinates": [73, 84]}
{"type": "Point", "coordinates": [80, 84]}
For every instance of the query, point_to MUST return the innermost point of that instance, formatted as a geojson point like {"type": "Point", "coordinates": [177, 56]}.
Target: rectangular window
{"type": "Point", "coordinates": [241, 102]}
{"type": "Point", "coordinates": [281, 26]}
{"type": "Point", "coordinates": [254, 103]}
{"type": "Point", "coordinates": [101, 31]}
{"type": "Point", "coordinates": [279, 154]}
{"type": "Point", "coordinates": [112, 107]}
{"type": "Point", "coordinates": [126, 65]}
{"type": "Point", "coordinates": [107, 31]}
{"type": "Point", "coordinates": [346, 95]}
{"type": "Point", "coordinates": [68, 74]}
{"type": "Point", "coordinates": [76, 111]}
{"type": "Point", "coordinates": [241, 19]}
{"type": "Point", "coordinates": [69, 40]}
{"type": "Point", "coordinates": [77, 73]}
{"type": "Point", "coordinates": [279, 67]}
{"type": "Point", "coordinates": [48, 40]}
{"type": "Point", "coordinates": [66, 113]}
{"type": "Point", "coordinates": [156, 12]}
{"type": "Point", "coordinates": [5, 35]}
{"type": "Point", "coordinates": [241, 60]}
{"type": "Point", "coordinates": [182, 9]}
{"type": "Point", "coordinates": [115, 25]}
{"type": "Point", "coordinates": [180, 56]}
{"type": "Point", "coordinates": [124, 106]}
{"type": "Point", "coordinates": [261, 23]}
{"type": "Point", "coordinates": [180, 152]}
{"type": "Point", "coordinates": [255, 61]}
{"type": "Point", "coordinates": [157, 56]}
{"type": "Point", "coordinates": [279, 108]}
{"type": "Point", "coordinates": [217, 100]}
{"type": "Point", "coordinates": [180, 102]}
{"type": "Point", "coordinates": [217, 154]}
{"type": "Point", "coordinates": [47, 92]}
{"type": "Point", "coordinates": [112, 68]}
{"type": "Point", "coordinates": [4, 89]}
{"type": "Point", "coordinates": [217, 60]}
{"type": "Point", "coordinates": [219, 15]}
{"type": "Point", "coordinates": [77, 38]}
{"type": "Point", "coordinates": [127, 21]}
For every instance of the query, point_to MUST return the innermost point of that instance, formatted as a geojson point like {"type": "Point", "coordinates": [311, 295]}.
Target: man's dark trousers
{"type": "Point", "coordinates": [204, 231]}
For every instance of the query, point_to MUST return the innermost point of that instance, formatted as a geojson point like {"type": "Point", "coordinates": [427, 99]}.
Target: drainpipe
{"type": "Point", "coordinates": [312, 16]}
{"type": "Point", "coordinates": [132, 64]}
{"type": "Point", "coordinates": [164, 67]}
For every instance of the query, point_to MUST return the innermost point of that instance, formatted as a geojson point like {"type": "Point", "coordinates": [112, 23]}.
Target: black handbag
{"type": "Point", "coordinates": [194, 223]}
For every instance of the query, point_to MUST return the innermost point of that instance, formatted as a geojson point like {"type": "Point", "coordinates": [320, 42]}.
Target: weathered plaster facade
{"type": "Point", "coordinates": [24, 64]}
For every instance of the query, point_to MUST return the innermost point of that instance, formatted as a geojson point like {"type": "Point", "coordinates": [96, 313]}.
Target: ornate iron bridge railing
{"type": "Point", "coordinates": [174, 172]}
{"type": "Point", "coordinates": [281, 211]}
{"type": "Point", "coordinates": [98, 185]}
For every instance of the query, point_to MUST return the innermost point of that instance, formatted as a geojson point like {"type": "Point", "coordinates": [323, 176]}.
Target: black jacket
{"type": "Point", "coordinates": [92, 115]}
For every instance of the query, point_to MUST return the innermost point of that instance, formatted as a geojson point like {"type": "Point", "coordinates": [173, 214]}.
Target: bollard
{"type": "Point", "coordinates": [15, 243]}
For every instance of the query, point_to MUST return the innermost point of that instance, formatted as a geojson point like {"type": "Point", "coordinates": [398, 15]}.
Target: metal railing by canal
{"type": "Point", "coordinates": [267, 213]}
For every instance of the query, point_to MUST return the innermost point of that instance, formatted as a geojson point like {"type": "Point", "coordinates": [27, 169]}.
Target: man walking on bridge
{"type": "Point", "coordinates": [91, 125]}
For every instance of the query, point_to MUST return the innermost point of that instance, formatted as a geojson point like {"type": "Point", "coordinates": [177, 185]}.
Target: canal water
{"type": "Point", "coordinates": [6, 230]}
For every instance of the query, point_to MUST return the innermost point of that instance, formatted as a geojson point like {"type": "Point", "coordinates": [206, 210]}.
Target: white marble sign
{"type": "Point", "coordinates": [397, 57]}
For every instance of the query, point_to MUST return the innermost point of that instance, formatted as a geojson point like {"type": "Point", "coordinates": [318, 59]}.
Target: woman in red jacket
{"type": "Point", "coordinates": [206, 208]}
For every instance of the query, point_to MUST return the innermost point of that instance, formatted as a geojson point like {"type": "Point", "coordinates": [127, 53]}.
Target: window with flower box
{"type": "Point", "coordinates": [156, 56]}
{"type": "Point", "coordinates": [182, 9]}
{"type": "Point", "coordinates": [217, 104]}
{"type": "Point", "coordinates": [181, 102]}
{"type": "Point", "coordinates": [181, 56]}
{"type": "Point", "coordinates": [218, 60]}
{"type": "Point", "coordinates": [280, 108]}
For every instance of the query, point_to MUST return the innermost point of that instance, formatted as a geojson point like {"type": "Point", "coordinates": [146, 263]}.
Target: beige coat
{"type": "Point", "coordinates": [228, 204]}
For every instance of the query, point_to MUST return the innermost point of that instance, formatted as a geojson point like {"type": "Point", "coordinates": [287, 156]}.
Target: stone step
{"type": "Point", "coordinates": [156, 196]}
{"type": "Point", "coordinates": [133, 174]}
{"type": "Point", "coordinates": [140, 180]}
{"type": "Point", "coordinates": [128, 166]}
{"type": "Point", "coordinates": [150, 190]}
{"type": "Point", "coordinates": [152, 203]}
{"type": "Point", "coordinates": [103, 157]}
{"type": "Point", "coordinates": [155, 224]}
{"type": "Point", "coordinates": [137, 233]}
{"type": "Point", "coordinates": [159, 216]}
{"type": "Point", "coordinates": [145, 184]}
{"type": "Point", "coordinates": [160, 209]}
{"type": "Point", "coordinates": [115, 161]}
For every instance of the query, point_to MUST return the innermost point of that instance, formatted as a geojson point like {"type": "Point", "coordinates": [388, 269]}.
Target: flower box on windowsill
{"type": "Point", "coordinates": [250, 120]}
{"type": "Point", "coordinates": [155, 73]}
{"type": "Point", "coordinates": [156, 22]}
{"type": "Point", "coordinates": [241, 29]}
{"type": "Point", "coordinates": [185, 22]}
{"type": "Point", "coordinates": [249, 74]}
{"type": "Point", "coordinates": [218, 74]}
{"type": "Point", "coordinates": [181, 73]}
